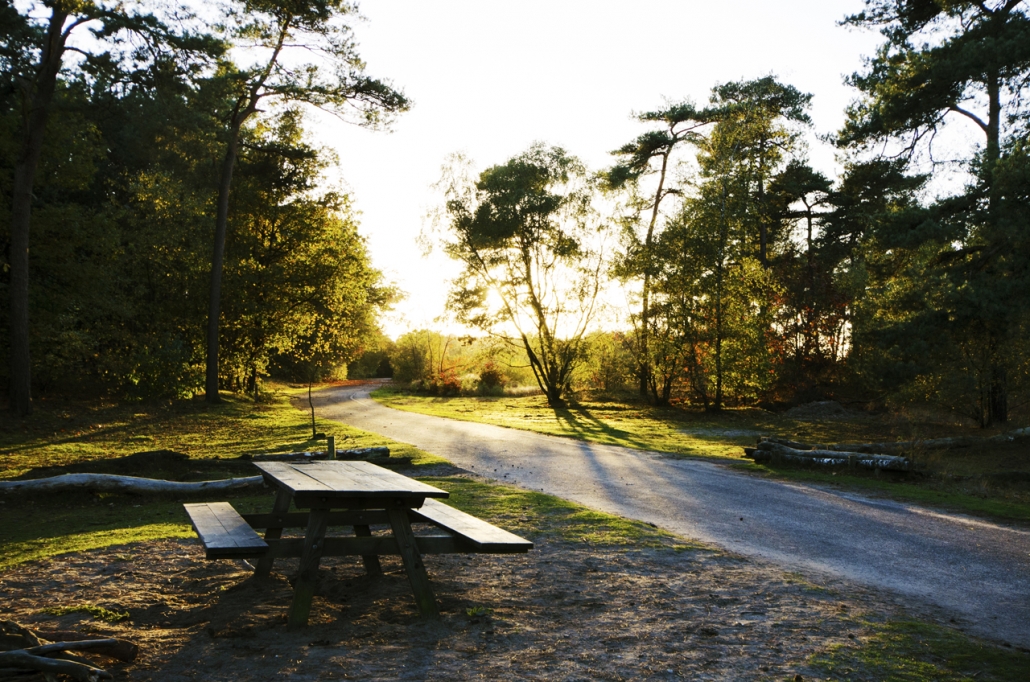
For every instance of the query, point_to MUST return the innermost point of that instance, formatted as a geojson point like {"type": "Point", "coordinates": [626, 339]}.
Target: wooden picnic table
{"type": "Point", "coordinates": [355, 494]}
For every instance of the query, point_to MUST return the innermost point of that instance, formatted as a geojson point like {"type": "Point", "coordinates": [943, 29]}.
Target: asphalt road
{"type": "Point", "coordinates": [974, 571]}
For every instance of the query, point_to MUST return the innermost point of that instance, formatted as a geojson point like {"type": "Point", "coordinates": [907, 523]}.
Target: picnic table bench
{"type": "Point", "coordinates": [349, 494]}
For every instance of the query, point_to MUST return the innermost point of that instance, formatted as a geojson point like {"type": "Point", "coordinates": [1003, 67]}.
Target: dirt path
{"type": "Point", "coordinates": [561, 613]}
{"type": "Point", "coordinates": [975, 572]}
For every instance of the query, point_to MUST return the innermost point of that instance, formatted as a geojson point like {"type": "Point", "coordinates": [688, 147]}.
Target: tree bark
{"type": "Point", "coordinates": [36, 103]}
{"type": "Point", "coordinates": [998, 407]}
{"type": "Point", "coordinates": [246, 106]}
{"type": "Point", "coordinates": [217, 261]}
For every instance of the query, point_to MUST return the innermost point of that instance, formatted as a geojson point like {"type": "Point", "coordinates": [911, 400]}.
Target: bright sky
{"type": "Point", "coordinates": [490, 78]}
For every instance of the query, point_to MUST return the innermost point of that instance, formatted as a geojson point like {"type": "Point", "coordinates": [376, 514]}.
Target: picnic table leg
{"type": "Point", "coordinates": [372, 565]}
{"type": "Point", "coordinates": [412, 558]}
{"type": "Point", "coordinates": [304, 587]}
{"type": "Point", "coordinates": [281, 506]}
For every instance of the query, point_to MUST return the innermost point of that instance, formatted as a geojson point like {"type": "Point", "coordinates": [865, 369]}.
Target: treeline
{"type": "Point", "coordinates": [758, 278]}
{"type": "Point", "coordinates": [442, 364]}
{"type": "Point", "coordinates": [164, 219]}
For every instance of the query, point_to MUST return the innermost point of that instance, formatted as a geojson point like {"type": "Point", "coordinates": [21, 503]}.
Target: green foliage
{"type": "Point", "coordinates": [374, 361]}
{"type": "Point", "coordinates": [608, 363]}
{"type": "Point", "coordinates": [121, 242]}
{"type": "Point", "coordinates": [531, 250]}
{"type": "Point", "coordinates": [946, 313]}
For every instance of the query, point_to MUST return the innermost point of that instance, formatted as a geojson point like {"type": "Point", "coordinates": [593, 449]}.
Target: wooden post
{"type": "Point", "coordinates": [372, 565]}
{"type": "Point", "coordinates": [307, 576]}
{"type": "Point", "coordinates": [330, 447]}
{"type": "Point", "coordinates": [416, 570]}
{"type": "Point", "coordinates": [281, 506]}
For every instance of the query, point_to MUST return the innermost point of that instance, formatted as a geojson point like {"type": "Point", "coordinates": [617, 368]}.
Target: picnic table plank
{"type": "Point", "coordinates": [484, 536]}
{"type": "Point", "coordinates": [369, 479]}
{"type": "Point", "coordinates": [290, 476]}
{"type": "Point", "coordinates": [223, 531]}
{"type": "Point", "coordinates": [322, 483]}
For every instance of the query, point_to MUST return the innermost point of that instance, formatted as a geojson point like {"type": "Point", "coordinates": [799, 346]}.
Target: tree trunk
{"type": "Point", "coordinates": [998, 407]}
{"type": "Point", "coordinates": [998, 404]}
{"type": "Point", "coordinates": [217, 261]}
{"type": "Point", "coordinates": [645, 308]}
{"type": "Point", "coordinates": [36, 103]}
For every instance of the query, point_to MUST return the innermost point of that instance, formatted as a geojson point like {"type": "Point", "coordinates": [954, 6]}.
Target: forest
{"type": "Point", "coordinates": [169, 232]}
{"type": "Point", "coordinates": [167, 228]}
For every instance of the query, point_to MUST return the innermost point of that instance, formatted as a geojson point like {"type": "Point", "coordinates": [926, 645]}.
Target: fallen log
{"type": "Point", "coordinates": [772, 451]}
{"type": "Point", "coordinates": [120, 650]}
{"type": "Point", "coordinates": [22, 650]}
{"type": "Point", "coordinates": [20, 659]}
{"type": "Point", "coordinates": [110, 483]}
{"type": "Point", "coordinates": [905, 445]}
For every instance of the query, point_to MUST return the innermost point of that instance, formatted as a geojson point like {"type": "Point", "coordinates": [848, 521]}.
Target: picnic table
{"type": "Point", "coordinates": [358, 495]}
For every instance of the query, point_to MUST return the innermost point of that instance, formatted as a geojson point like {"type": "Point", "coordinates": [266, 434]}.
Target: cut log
{"type": "Point", "coordinates": [896, 447]}
{"type": "Point", "coordinates": [771, 451]}
{"type": "Point", "coordinates": [109, 483]}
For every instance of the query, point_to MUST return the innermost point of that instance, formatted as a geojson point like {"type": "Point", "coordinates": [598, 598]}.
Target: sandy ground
{"type": "Point", "coordinates": [561, 612]}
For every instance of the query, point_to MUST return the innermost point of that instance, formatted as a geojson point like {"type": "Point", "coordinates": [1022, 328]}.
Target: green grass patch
{"type": "Point", "coordinates": [539, 516]}
{"type": "Point", "coordinates": [912, 651]}
{"type": "Point", "coordinates": [928, 493]}
{"type": "Point", "coordinates": [101, 438]}
{"type": "Point", "coordinates": [98, 612]}
{"type": "Point", "coordinates": [59, 434]}
{"type": "Point", "coordinates": [636, 424]}
{"type": "Point", "coordinates": [981, 481]}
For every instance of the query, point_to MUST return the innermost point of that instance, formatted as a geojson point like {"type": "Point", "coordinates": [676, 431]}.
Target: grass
{"type": "Point", "coordinates": [104, 438]}
{"type": "Point", "coordinates": [542, 517]}
{"type": "Point", "coordinates": [928, 493]}
{"type": "Point", "coordinates": [986, 482]}
{"type": "Point", "coordinates": [59, 434]}
{"type": "Point", "coordinates": [912, 651]}
{"type": "Point", "coordinates": [68, 436]}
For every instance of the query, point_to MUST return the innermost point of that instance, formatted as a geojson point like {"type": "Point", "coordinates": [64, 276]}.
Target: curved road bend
{"type": "Point", "coordinates": [975, 571]}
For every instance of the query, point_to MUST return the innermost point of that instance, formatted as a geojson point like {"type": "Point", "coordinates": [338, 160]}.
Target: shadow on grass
{"type": "Point", "coordinates": [582, 424]}
{"type": "Point", "coordinates": [37, 526]}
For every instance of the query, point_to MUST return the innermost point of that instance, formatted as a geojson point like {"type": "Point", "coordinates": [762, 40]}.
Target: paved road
{"type": "Point", "coordinates": [974, 571]}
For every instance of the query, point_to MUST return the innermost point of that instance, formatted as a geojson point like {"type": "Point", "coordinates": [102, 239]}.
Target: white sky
{"type": "Point", "coordinates": [489, 78]}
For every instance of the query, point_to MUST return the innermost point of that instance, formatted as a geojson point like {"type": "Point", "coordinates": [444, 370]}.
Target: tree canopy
{"type": "Point", "coordinates": [531, 249]}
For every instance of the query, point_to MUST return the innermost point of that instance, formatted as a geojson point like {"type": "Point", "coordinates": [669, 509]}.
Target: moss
{"type": "Point", "coordinates": [913, 651]}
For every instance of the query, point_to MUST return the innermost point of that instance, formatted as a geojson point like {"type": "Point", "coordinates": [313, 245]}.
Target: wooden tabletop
{"type": "Point", "coordinates": [346, 484]}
